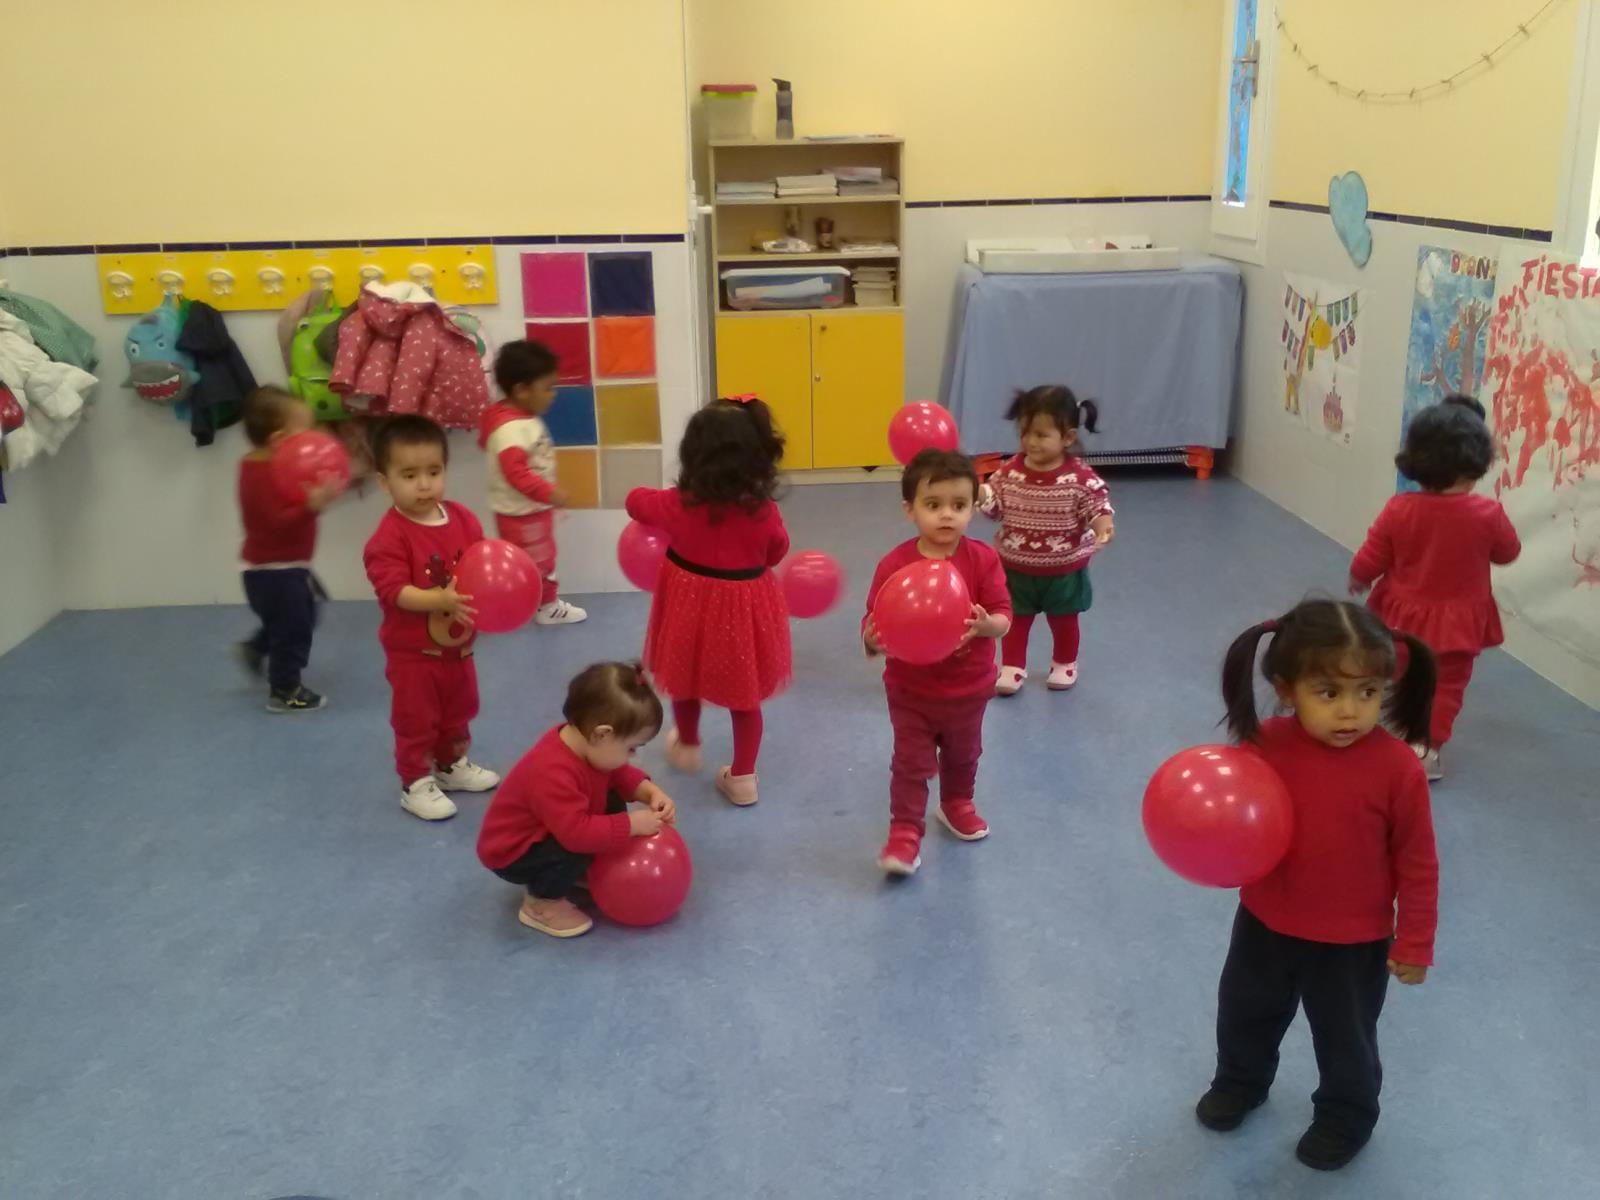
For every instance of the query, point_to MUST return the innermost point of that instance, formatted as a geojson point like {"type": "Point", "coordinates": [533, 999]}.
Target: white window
{"type": "Point", "coordinates": [1578, 203]}
{"type": "Point", "coordinates": [1239, 197]}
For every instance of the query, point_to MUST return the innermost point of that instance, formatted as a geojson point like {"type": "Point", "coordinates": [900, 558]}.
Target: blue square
{"type": "Point", "coordinates": [571, 419]}
{"type": "Point", "coordinates": [622, 284]}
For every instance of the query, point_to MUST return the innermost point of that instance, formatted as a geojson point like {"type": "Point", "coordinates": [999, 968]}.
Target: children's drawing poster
{"type": "Point", "coordinates": [1321, 355]}
{"type": "Point", "coordinates": [1541, 384]}
{"type": "Point", "coordinates": [1449, 331]}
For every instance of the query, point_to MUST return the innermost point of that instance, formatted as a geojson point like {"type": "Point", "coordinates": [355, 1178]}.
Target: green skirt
{"type": "Point", "coordinates": [1053, 595]}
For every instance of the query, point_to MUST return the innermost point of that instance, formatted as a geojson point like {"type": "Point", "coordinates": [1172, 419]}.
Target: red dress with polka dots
{"type": "Point", "coordinates": [719, 629]}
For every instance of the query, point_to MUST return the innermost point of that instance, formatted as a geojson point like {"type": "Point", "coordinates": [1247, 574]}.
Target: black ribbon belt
{"type": "Point", "coordinates": [715, 572]}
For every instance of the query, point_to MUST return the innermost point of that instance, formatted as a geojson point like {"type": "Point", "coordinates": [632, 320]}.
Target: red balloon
{"type": "Point", "coordinates": [921, 612]}
{"type": "Point", "coordinates": [922, 426]}
{"type": "Point", "coordinates": [812, 583]}
{"type": "Point", "coordinates": [640, 552]}
{"type": "Point", "coordinates": [503, 582]}
{"type": "Point", "coordinates": [303, 460]}
{"type": "Point", "coordinates": [1218, 815]}
{"type": "Point", "coordinates": [645, 882]}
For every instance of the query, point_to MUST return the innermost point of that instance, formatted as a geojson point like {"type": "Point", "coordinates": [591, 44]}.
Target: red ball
{"type": "Point", "coordinates": [503, 584]}
{"type": "Point", "coordinates": [921, 612]}
{"type": "Point", "coordinates": [302, 461]}
{"type": "Point", "coordinates": [921, 426]}
{"type": "Point", "coordinates": [645, 882]}
{"type": "Point", "coordinates": [812, 583]}
{"type": "Point", "coordinates": [1218, 815]}
{"type": "Point", "coordinates": [640, 552]}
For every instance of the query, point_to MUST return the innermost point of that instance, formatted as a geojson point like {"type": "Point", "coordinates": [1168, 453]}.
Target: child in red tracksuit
{"type": "Point", "coordinates": [522, 467]}
{"type": "Point", "coordinates": [426, 632]}
{"type": "Point", "coordinates": [1430, 552]}
{"type": "Point", "coordinates": [937, 710]}
{"type": "Point", "coordinates": [719, 628]}
{"type": "Point", "coordinates": [567, 800]}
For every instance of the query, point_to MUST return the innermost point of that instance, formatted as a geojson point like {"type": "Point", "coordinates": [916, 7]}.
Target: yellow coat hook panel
{"type": "Point", "coordinates": [262, 280]}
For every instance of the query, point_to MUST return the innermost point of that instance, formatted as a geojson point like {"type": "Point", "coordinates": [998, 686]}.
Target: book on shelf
{"type": "Point", "coordinates": [874, 187]}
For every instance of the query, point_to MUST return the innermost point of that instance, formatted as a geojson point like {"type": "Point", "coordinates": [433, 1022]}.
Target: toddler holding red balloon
{"type": "Point", "coordinates": [427, 630]}
{"type": "Point", "coordinates": [718, 629]}
{"type": "Point", "coordinates": [935, 607]}
{"type": "Point", "coordinates": [1321, 928]}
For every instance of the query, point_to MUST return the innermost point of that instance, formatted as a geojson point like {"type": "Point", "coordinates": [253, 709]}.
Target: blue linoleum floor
{"type": "Point", "coordinates": [232, 967]}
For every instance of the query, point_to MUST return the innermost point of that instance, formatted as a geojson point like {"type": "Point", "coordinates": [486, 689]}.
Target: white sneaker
{"type": "Point", "coordinates": [1062, 676]}
{"type": "Point", "coordinates": [1010, 681]}
{"type": "Point", "coordinates": [424, 799]}
{"type": "Point", "coordinates": [465, 775]}
{"type": "Point", "coordinates": [1431, 767]}
{"type": "Point", "coordinates": [559, 612]}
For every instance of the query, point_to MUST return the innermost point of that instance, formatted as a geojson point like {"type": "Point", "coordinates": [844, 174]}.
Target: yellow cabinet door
{"type": "Point", "coordinates": [858, 383]}
{"type": "Point", "coordinates": [770, 355]}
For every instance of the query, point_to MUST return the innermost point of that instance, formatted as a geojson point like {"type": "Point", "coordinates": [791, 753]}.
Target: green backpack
{"type": "Point", "coordinates": [308, 370]}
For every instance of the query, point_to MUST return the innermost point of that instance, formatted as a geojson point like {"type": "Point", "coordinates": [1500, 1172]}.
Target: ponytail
{"type": "Point", "coordinates": [1410, 706]}
{"type": "Point", "coordinates": [1239, 681]}
{"type": "Point", "coordinates": [1091, 414]}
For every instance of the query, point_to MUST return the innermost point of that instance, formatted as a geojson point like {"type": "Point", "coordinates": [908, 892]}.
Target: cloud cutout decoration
{"type": "Point", "coordinates": [1347, 206]}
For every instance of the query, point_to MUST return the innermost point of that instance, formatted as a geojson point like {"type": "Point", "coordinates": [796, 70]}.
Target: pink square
{"type": "Point", "coordinates": [569, 342]}
{"type": "Point", "coordinates": [554, 285]}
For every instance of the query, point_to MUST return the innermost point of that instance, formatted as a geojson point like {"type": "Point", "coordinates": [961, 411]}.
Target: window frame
{"type": "Point", "coordinates": [1239, 230]}
{"type": "Point", "coordinates": [1578, 190]}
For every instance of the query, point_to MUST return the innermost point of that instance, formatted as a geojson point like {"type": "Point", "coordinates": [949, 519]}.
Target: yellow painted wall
{"type": "Point", "coordinates": [995, 98]}
{"type": "Point", "coordinates": [1488, 151]}
{"type": "Point", "coordinates": [198, 120]}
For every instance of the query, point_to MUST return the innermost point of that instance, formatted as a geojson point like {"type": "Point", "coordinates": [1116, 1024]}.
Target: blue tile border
{"type": "Point", "coordinates": [510, 239]}
{"type": "Point", "coordinates": [1504, 231]}
{"type": "Point", "coordinates": [1016, 201]}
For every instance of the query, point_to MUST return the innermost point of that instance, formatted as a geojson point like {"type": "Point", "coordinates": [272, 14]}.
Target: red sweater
{"type": "Point", "coordinates": [971, 670]}
{"type": "Point", "coordinates": [721, 536]}
{"type": "Point", "coordinates": [276, 530]}
{"type": "Point", "coordinates": [1363, 836]}
{"type": "Point", "coordinates": [1044, 515]}
{"type": "Point", "coordinates": [553, 792]}
{"type": "Point", "coordinates": [405, 553]}
{"type": "Point", "coordinates": [1433, 552]}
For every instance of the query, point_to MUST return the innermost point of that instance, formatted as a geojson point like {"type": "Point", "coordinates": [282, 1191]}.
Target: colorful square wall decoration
{"type": "Point", "coordinates": [555, 285]}
{"type": "Point", "coordinates": [569, 342]}
{"type": "Point", "coordinates": [625, 347]}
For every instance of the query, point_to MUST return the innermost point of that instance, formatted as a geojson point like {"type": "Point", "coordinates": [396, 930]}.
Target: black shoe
{"type": "Point", "coordinates": [1327, 1147]}
{"type": "Point", "coordinates": [302, 699]}
{"type": "Point", "coordinates": [251, 659]}
{"type": "Point", "coordinates": [1225, 1110]}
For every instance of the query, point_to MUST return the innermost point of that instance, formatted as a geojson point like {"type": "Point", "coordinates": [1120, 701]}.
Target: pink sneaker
{"type": "Point", "coordinates": [558, 918]}
{"type": "Point", "coordinates": [1010, 681]}
{"type": "Point", "coordinates": [962, 819]}
{"type": "Point", "coordinates": [737, 789]}
{"type": "Point", "coordinates": [680, 755]}
{"type": "Point", "coordinates": [1062, 676]}
{"type": "Point", "coordinates": [900, 854]}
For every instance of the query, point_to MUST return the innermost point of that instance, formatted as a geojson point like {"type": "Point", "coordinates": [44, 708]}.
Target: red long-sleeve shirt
{"type": "Point", "coordinates": [553, 792]}
{"type": "Point", "coordinates": [404, 553]}
{"type": "Point", "coordinates": [1363, 839]}
{"type": "Point", "coordinates": [1433, 552]}
{"type": "Point", "coordinates": [276, 530]}
{"type": "Point", "coordinates": [971, 670]}
{"type": "Point", "coordinates": [722, 536]}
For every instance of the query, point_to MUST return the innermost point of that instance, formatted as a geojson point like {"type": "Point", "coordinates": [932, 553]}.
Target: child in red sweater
{"type": "Point", "coordinates": [937, 710]}
{"type": "Point", "coordinates": [566, 801]}
{"type": "Point", "coordinates": [426, 633]}
{"type": "Point", "coordinates": [1430, 552]}
{"type": "Point", "coordinates": [1054, 513]}
{"type": "Point", "coordinates": [522, 467]}
{"type": "Point", "coordinates": [280, 536]}
{"type": "Point", "coordinates": [1321, 930]}
{"type": "Point", "coordinates": [719, 628]}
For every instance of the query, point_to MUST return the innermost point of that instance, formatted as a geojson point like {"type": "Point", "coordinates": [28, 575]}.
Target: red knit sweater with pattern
{"type": "Point", "coordinates": [1044, 515]}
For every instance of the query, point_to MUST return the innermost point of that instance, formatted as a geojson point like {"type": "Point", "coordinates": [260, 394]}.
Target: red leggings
{"type": "Point", "coordinates": [1453, 670]}
{"type": "Point", "coordinates": [435, 699]}
{"type": "Point", "coordinates": [747, 726]}
{"type": "Point", "coordinates": [942, 737]}
{"type": "Point", "coordinates": [535, 533]}
{"type": "Point", "coordinates": [1063, 629]}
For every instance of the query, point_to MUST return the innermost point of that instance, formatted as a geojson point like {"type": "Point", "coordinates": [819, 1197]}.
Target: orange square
{"type": "Point", "coordinates": [625, 347]}
{"type": "Point", "coordinates": [578, 475]}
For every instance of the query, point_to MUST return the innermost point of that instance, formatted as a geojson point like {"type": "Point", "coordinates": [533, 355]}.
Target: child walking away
{"type": "Point", "coordinates": [719, 630]}
{"type": "Point", "coordinates": [1054, 513]}
{"type": "Point", "coordinates": [1322, 929]}
{"type": "Point", "coordinates": [566, 801]}
{"type": "Point", "coordinates": [522, 467]}
{"type": "Point", "coordinates": [937, 710]}
{"type": "Point", "coordinates": [279, 538]}
{"type": "Point", "coordinates": [1430, 553]}
{"type": "Point", "coordinates": [426, 633]}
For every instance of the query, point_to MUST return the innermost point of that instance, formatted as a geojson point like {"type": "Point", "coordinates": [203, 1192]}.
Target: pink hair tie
{"type": "Point", "coordinates": [1273, 625]}
{"type": "Point", "coordinates": [743, 398]}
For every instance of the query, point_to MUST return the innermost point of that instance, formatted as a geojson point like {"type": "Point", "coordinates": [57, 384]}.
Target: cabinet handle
{"type": "Point", "coordinates": [822, 329]}
{"type": "Point", "coordinates": [816, 379]}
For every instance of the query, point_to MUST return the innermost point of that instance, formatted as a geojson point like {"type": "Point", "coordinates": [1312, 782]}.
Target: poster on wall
{"type": "Point", "coordinates": [1449, 331]}
{"type": "Point", "coordinates": [1541, 388]}
{"type": "Point", "coordinates": [1321, 355]}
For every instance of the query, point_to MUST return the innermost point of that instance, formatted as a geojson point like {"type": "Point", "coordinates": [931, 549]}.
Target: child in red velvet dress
{"type": "Point", "coordinates": [937, 710]}
{"type": "Point", "coordinates": [719, 628]}
{"type": "Point", "coordinates": [1430, 553]}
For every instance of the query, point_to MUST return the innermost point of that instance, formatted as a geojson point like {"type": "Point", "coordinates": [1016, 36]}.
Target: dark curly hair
{"type": "Point", "coordinates": [730, 454]}
{"type": "Point", "coordinates": [1055, 402]}
{"type": "Point", "coordinates": [1446, 443]}
{"type": "Point", "coordinates": [936, 466]}
{"type": "Point", "coordinates": [615, 694]}
{"type": "Point", "coordinates": [406, 429]}
{"type": "Point", "coordinates": [523, 361]}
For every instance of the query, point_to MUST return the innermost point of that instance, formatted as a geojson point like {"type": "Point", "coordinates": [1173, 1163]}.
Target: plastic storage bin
{"type": "Point", "coordinates": [730, 110]}
{"type": "Point", "coordinates": [874, 295]}
{"type": "Point", "coordinates": [749, 288]}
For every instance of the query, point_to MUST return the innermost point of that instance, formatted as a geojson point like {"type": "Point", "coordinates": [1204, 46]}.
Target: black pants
{"type": "Point", "coordinates": [548, 869]}
{"type": "Point", "coordinates": [1266, 977]}
{"type": "Point", "coordinates": [285, 598]}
